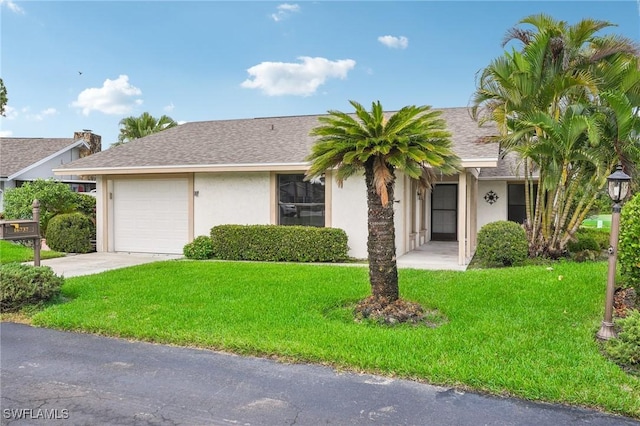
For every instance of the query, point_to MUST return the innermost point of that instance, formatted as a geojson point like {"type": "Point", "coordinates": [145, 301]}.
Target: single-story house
{"type": "Point", "coordinates": [157, 193]}
{"type": "Point", "coordinates": [28, 159]}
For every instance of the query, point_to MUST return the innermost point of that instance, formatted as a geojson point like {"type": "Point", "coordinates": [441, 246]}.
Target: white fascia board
{"type": "Point", "coordinates": [510, 177]}
{"type": "Point", "coordinates": [264, 167]}
{"type": "Point", "coordinates": [44, 160]}
{"type": "Point", "coordinates": [468, 163]}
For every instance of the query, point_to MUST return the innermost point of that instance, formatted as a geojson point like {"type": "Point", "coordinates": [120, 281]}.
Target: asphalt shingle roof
{"type": "Point", "coordinates": [269, 140]}
{"type": "Point", "coordinates": [19, 153]}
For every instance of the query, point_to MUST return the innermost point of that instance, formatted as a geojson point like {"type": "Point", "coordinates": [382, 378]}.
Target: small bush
{"type": "Point", "coordinates": [600, 235]}
{"type": "Point", "coordinates": [502, 243]}
{"type": "Point", "coordinates": [279, 243]}
{"type": "Point", "coordinates": [586, 255]}
{"type": "Point", "coordinates": [629, 242]}
{"type": "Point", "coordinates": [200, 248]}
{"type": "Point", "coordinates": [625, 349]}
{"type": "Point", "coordinates": [583, 242]}
{"type": "Point", "coordinates": [71, 233]}
{"type": "Point", "coordinates": [22, 285]}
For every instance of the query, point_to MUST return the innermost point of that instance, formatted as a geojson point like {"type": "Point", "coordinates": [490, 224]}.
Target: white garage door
{"type": "Point", "coordinates": [150, 215]}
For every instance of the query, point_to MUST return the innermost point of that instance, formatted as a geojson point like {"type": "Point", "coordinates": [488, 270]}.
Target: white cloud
{"type": "Point", "coordinates": [115, 97]}
{"type": "Point", "coordinates": [10, 112]}
{"type": "Point", "coordinates": [302, 79]}
{"type": "Point", "coordinates": [169, 107]}
{"type": "Point", "coordinates": [5, 133]}
{"type": "Point", "coordinates": [284, 11]}
{"type": "Point", "coordinates": [181, 122]}
{"type": "Point", "coordinates": [12, 6]}
{"type": "Point", "coordinates": [394, 42]}
{"type": "Point", "coordinates": [41, 115]}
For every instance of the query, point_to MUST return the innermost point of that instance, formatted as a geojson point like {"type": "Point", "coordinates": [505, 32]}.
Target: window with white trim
{"type": "Point", "coordinates": [300, 202]}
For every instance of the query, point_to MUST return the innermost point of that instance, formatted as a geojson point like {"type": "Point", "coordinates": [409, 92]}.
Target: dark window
{"type": "Point", "coordinates": [516, 211]}
{"type": "Point", "coordinates": [300, 202]}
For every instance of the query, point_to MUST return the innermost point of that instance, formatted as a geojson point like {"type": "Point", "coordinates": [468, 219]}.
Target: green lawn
{"type": "Point", "coordinates": [527, 332]}
{"type": "Point", "coordinates": [602, 221]}
{"type": "Point", "coordinates": [11, 252]}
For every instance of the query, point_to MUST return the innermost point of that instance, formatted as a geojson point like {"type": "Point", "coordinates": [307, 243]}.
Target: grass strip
{"type": "Point", "coordinates": [12, 252]}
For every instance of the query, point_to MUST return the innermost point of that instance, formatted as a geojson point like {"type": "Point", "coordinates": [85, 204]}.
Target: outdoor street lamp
{"type": "Point", "coordinates": [618, 187]}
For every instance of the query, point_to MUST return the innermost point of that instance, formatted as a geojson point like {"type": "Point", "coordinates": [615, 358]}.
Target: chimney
{"type": "Point", "coordinates": [94, 141]}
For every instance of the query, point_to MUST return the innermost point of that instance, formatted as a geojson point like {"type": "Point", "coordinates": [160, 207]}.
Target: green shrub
{"type": "Point", "coordinates": [22, 285]}
{"type": "Point", "coordinates": [625, 349]}
{"type": "Point", "coordinates": [279, 243]}
{"type": "Point", "coordinates": [71, 233]}
{"type": "Point", "coordinates": [502, 243]}
{"type": "Point", "coordinates": [54, 197]}
{"type": "Point", "coordinates": [629, 242]}
{"type": "Point", "coordinates": [584, 242]}
{"type": "Point", "coordinates": [86, 204]}
{"type": "Point", "coordinates": [200, 248]}
{"type": "Point", "coordinates": [600, 235]}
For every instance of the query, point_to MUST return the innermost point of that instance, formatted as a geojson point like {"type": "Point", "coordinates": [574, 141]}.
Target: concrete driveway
{"type": "Point", "coordinates": [92, 263]}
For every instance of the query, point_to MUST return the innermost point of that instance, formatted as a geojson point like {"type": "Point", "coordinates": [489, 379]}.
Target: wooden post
{"type": "Point", "coordinates": [37, 242]}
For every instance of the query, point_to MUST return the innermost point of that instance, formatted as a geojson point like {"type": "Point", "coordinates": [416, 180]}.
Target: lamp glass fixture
{"type": "Point", "coordinates": [618, 185]}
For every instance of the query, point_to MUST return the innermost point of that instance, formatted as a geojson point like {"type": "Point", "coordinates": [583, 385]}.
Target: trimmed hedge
{"type": "Point", "coordinates": [71, 233]}
{"type": "Point", "coordinates": [502, 243]}
{"type": "Point", "coordinates": [22, 285]}
{"type": "Point", "coordinates": [279, 243]}
{"type": "Point", "coordinates": [629, 242]}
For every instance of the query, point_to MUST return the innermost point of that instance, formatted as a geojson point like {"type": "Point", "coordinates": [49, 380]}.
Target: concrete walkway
{"type": "Point", "coordinates": [434, 255]}
{"type": "Point", "coordinates": [93, 263]}
{"type": "Point", "coordinates": [81, 379]}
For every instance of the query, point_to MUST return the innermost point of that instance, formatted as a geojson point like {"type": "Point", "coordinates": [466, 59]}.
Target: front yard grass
{"type": "Point", "coordinates": [526, 332]}
{"type": "Point", "coordinates": [11, 252]}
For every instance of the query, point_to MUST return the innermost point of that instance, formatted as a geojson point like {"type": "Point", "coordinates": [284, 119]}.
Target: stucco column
{"type": "Point", "coordinates": [462, 217]}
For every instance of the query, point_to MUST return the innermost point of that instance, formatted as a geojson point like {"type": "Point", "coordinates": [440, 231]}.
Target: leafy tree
{"type": "Point", "coordinates": [3, 97]}
{"type": "Point", "coordinates": [54, 197]}
{"type": "Point", "coordinates": [565, 103]}
{"type": "Point", "coordinates": [144, 125]}
{"type": "Point", "coordinates": [414, 141]}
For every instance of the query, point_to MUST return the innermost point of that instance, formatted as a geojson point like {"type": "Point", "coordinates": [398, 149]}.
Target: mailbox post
{"type": "Point", "coordinates": [37, 242]}
{"type": "Point", "coordinates": [24, 230]}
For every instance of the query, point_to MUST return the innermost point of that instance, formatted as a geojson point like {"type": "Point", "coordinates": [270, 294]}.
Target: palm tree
{"type": "Point", "coordinates": [414, 141]}
{"type": "Point", "coordinates": [138, 127]}
{"type": "Point", "coordinates": [535, 96]}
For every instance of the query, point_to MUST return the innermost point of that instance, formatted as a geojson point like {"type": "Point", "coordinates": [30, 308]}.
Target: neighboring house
{"type": "Point", "coordinates": [157, 193]}
{"type": "Point", "coordinates": [27, 159]}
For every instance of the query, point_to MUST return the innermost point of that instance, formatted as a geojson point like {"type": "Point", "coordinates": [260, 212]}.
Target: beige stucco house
{"type": "Point", "coordinates": [157, 193]}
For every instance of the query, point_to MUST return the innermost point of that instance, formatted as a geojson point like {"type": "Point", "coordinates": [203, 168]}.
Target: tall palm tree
{"type": "Point", "coordinates": [534, 96]}
{"type": "Point", "coordinates": [138, 127]}
{"type": "Point", "coordinates": [414, 141]}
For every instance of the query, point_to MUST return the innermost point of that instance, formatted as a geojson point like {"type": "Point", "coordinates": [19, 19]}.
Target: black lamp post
{"type": "Point", "coordinates": [618, 187]}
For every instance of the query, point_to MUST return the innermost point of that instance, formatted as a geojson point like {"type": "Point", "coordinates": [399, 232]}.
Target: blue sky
{"type": "Point", "coordinates": [211, 60]}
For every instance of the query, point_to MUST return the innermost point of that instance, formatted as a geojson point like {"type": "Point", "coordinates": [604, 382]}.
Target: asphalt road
{"type": "Point", "coordinates": [52, 377]}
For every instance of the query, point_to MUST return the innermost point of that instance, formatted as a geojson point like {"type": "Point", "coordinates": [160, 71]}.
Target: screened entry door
{"type": "Point", "coordinates": [444, 213]}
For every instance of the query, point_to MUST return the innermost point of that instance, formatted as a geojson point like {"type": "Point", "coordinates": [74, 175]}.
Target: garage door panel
{"type": "Point", "coordinates": [150, 215]}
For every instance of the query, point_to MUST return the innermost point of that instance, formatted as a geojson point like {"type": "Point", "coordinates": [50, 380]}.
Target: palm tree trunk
{"type": "Point", "coordinates": [381, 244]}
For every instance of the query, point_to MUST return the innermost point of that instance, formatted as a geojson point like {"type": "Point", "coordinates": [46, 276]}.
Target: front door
{"type": "Point", "coordinates": [444, 212]}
